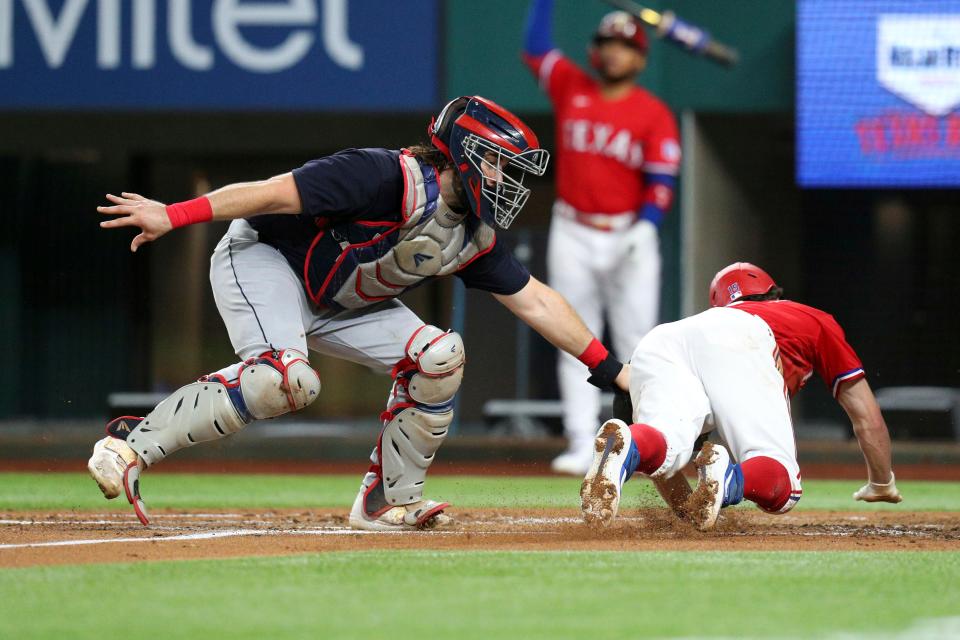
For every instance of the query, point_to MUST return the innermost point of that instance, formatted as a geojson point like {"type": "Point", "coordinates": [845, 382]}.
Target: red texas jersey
{"type": "Point", "coordinates": [604, 146]}
{"type": "Point", "coordinates": [809, 340]}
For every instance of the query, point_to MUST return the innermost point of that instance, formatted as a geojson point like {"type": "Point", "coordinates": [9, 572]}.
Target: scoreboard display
{"type": "Point", "coordinates": [878, 93]}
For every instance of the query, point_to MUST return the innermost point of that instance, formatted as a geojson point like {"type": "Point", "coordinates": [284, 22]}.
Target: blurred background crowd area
{"type": "Point", "coordinates": [171, 105]}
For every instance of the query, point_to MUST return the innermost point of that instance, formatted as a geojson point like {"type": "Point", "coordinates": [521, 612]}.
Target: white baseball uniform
{"type": "Point", "coordinates": [616, 166]}
{"type": "Point", "coordinates": [733, 370]}
{"type": "Point", "coordinates": [715, 371]}
{"type": "Point", "coordinates": [592, 268]}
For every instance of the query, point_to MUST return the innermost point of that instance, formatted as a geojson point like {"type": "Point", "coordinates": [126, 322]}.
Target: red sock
{"type": "Point", "coordinates": [651, 445]}
{"type": "Point", "coordinates": [766, 482]}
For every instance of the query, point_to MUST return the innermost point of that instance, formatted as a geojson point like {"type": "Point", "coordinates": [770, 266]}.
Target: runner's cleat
{"type": "Point", "coordinates": [615, 458]}
{"type": "Point", "coordinates": [721, 485]}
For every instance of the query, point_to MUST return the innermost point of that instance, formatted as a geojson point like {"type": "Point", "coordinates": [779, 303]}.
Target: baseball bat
{"type": "Point", "coordinates": [686, 34]}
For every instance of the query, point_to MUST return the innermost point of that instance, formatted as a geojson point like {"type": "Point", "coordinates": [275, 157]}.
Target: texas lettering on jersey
{"type": "Point", "coordinates": [602, 139]}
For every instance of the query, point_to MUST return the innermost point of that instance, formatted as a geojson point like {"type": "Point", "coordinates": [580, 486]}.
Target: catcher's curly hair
{"type": "Point", "coordinates": [429, 154]}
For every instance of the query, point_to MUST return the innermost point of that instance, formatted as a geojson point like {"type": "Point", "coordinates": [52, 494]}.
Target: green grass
{"type": "Point", "coordinates": [488, 595]}
{"type": "Point", "coordinates": [29, 491]}
{"type": "Point", "coordinates": [422, 594]}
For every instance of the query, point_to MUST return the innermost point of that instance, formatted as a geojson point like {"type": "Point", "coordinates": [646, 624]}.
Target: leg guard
{"type": "Point", "coordinates": [416, 421]}
{"type": "Point", "coordinates": [214, 407]}
{"type": "Point", "coordinates": [265, 387]}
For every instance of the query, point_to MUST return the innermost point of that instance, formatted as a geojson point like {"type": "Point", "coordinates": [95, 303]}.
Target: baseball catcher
{"type": "Point", "coordinates": [314, 261]}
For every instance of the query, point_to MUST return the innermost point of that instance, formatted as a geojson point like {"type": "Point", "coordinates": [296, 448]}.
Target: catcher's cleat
{"type": "Point", "coordinates": [116, 467]}
{"type": "Point", "coordinates": [615, 458]}
{"type": "Point", "coordinates": [372, 512]}
{"type": "Point", "coordinates": [112, 455]}
{"type": "Point", "coordinates": [121, 427]}
{"type": "Point", "coordinates": [721, 485]}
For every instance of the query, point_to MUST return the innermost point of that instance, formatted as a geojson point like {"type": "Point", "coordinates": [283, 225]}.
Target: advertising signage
{"type": "Point", "coordinates": [218, 54]}
{"type": "Point", "coordinates": [878, 92]}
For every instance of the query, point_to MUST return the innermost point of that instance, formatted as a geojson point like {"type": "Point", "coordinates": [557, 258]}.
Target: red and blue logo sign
{"type": "Point", "coordinates": [878, 92]}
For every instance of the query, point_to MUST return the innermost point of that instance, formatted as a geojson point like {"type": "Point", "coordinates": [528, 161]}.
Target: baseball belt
{"type": "Point", "coordinates": [608, 222]}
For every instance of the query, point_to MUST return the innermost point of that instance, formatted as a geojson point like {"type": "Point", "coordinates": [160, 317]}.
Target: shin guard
{"type": "Point", "coordinates": [418, 416]}
{"type": "Point", "coordinates": [266, 387]}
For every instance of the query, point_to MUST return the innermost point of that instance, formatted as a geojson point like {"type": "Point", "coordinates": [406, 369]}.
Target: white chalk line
{"type": "Point", "coordinates": [234, 533]}
{"type": "Point", "coordinates": [120, 517]}
{"type": "Point", "coordinates": [228, 533]}
{"type": "Point", "coordinates": [243, 519]}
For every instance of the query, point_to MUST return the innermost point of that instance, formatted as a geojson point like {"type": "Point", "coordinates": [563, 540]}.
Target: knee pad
{"type": "Point", "coordinates": [767, 483]}
{"type": "Point", "coordinates": [434, 366]}
{"type": "Point", "coordinates": [214, 407]}
{"type": "Point", "coordinates": [276, 383]}
{"type": "Point", "coordinates": [419, 411]}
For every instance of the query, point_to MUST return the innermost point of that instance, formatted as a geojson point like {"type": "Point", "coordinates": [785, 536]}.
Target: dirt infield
{"type": "Point", "coordinates": [68, 538]}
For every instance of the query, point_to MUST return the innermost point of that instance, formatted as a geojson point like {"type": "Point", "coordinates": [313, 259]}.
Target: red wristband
{"type": "Point", "coordinates": [594, 354]}
{"type": "Point", "coordinates": [183, 213]}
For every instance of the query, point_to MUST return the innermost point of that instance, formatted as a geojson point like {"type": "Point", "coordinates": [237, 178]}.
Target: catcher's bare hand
{"type": "Point", "coordinates": [136, 211]}
{"type": "Point", "coordinates": [879, 492]}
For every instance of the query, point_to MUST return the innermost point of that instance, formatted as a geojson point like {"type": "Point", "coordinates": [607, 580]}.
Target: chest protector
{"type": "Point", "coordinates": [373, 261]}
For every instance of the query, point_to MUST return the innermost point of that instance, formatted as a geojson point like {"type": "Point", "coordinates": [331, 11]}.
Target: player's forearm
{"type": "Point", "coordinates": [549, 314]}
{"type": "Point", "coordinates": [875, 443]}
{"type": "Point", "coordinates": [861, 407]}
{"type": "Point", "coordinates": [245, 199]}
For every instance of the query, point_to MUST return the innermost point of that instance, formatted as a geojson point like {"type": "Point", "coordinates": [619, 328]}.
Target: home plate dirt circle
{"type": "Point", "coordinates": [31, 538]}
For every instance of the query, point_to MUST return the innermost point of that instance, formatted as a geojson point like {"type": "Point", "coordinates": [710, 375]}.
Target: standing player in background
{"type": "Point", "coordinates": [618, 156]}
{"type": "Point", "coordinates": [733, 369]}
{"type": "Point", "coordinates": [315, 259]}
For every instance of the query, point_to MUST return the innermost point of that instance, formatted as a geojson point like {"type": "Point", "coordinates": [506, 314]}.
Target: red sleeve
{"type": "Point", "coordinates": [835, 360]}
{"type": "Point", "coordinates": [661, 147]}
{"type": "Point", "coordinates": [555, 73]}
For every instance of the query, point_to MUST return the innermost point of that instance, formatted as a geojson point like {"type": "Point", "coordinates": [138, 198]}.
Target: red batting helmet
{"type": "Point", "coordinates": [738, 280]}
{"type": "Point", "coordinates": [620, 25]}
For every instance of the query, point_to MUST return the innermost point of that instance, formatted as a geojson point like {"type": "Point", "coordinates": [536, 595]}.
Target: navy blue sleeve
{"type": "Point", "coordinates": [497, 271]}
{"type": "Point", "coordinates": [538, 39]}
{"type": "Point", "coordinates": [351, 184]}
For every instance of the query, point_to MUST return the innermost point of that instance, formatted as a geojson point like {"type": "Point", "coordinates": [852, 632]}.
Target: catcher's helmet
{"type": "Point", "coordinates": [738, 280]}
{"type": "Point", "coordinates": [486, 144]}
